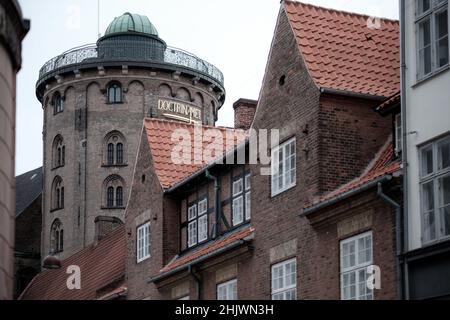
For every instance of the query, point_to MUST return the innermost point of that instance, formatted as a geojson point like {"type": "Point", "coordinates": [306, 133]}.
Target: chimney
{"type": "Point", "coordinates": [244, 112]}
{"type": "Point", "coordinates": [105, 225]}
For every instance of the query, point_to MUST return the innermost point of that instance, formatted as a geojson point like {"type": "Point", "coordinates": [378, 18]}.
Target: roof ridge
{"type": "Point", "coordinates": [337, 10]}
{"type": "Point", "coordinates": [192, 124]}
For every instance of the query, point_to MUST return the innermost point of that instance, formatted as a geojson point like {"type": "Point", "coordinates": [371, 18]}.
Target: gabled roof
{"type": "Point", "coordinates": [101, 266]}
{"type": "Point", "coordinates": [383, 165]}
{"type": "Point", "coordinates": [162, 138]}
{"type": "Point", "coordinates": [28, 188]}
{"type": "Point", "coordinates": [341, 51]}
{"type": "Point", "coordinates": [209, 248]}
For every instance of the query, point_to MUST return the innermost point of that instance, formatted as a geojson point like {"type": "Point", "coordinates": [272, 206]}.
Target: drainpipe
{"type": "Point", "coordinates": [197, 281]}
{"type": "Point", "coordinates": [404, 136]}
{"type": "Point", "coordinates": [217, 208]}
{"type": "Point", "coordinates": [398, 236]}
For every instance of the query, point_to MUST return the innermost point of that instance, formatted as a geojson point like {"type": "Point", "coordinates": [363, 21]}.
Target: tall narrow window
{"type": "Point", "coordinates": [284, 280]}
{"type": "Point", "coordinates": [119, 197]}
{"type": "Point", "coordinates": [238, 202]}
{"type": "Point", "coordinates": [432, 36]}
{"type": "Point", "coordinates": [283, 167]}
{"type": "Point", "coordinates": [398, 133]}
{"type": "Point", "coordinates": [62, 198]}
{"type": "Point", "coordinates": [57, 194]}
{"type": "Point", "coordinates": [58, 152]}
{"type": "Point", "coordinates": [58, 104]}
{"type": "Point", "coordinates": [248, 188]}
{"type": "Point", "coordinates": [110, 200]}
{"type": "Point", "coordinates": [110, 154]}
{"type": "Point", "coordinates": [114, 93]}
{"type": "Point", "coordinates": [227, 290]}
{"type": "Point", "coordinates": [198, 223]}
{"type": "Point", "coordinates": [119, 158]}
{"type": "Point", "coordinates": [356, 257]}
{"type": "Point", "coordinates": [56, 237]}
{"type": "Point", "coordinates": [143, 242]}
{"type": "Point", "coordinates": [435, 190]}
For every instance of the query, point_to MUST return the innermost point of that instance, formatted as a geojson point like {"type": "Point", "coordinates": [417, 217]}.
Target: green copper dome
{"type": "Point", "coordinates": [129, 22]}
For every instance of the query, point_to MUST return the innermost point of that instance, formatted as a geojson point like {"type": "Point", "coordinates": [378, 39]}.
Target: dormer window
{"type": "Point", "coordinates": [114, 93]}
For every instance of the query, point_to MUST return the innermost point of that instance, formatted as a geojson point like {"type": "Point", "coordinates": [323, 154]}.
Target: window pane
{"type": "Point", "coordinates": [192, 212]}
{"type": "Point", "coordinates": [248, 208]}
{"type": "Point", "coordinates": [119, 197]}
{"type": "Point", "coordinates": [423, 6]}
{"type": "Point", "coordinates": [192, 233]}
{"type": "Point", "coordinates": [110, 199]}
{"type": "Point", "coordinates": [237, 187]}
{"type": "Point", "coordinates": [203, 228]}
{"type": "Point", "coordinates": [442, 38]}
{"type": "Point", "coordinates": [427, 161]}
{"type": "Point", "coordinates": [203, 207]}
{"type": "Point", "coordinates": [119, 153]}
{"type": "Point", "coordinates": [110, 154]}
{"type": "Point", "coordinates": [238, 210]}
{"type": "Point", "coordinates": [444, 154]}
{"type": "Point", "coordinates": [444, 199]}
{"type": "Point", "coordinates": [428, 196]}
{"type": "Point", "coordinates": [247, 182]}
{"type": "Point", "coordinates": [425, 46]}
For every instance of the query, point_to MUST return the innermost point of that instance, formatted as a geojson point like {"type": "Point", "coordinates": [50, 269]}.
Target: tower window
{"type": "Point", "coordinates": [59, 152]}
{"type": "Point", "coordinates": [114, 93]}
{"type": "Point", "coordinates": [58, 194]}
{"type": "Point", "coordinates": [113, 192]}
{"type": "Point", "coordinates": [56, 237]}
{"type": "Point", "coordinates": [58, 103]}
{"type": "Point", "coordinates": [114, 149]}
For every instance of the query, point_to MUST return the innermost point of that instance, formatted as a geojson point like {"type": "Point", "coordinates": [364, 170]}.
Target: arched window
{"type": "Point", "coordinates": [58, 103]}
{"type": "Point", "coordinates": [59, 152]}
{"type": "Point", "coordinates": [119, 150]}
{"type": "Point", "coordinates": [114, 93]}
{"type": "Point", "coordinates": [113, 187]}
{"type": "Point", "coordinates": [114, 149]}
{"type": "Point", "coordinates": [56, 236]}
{"type": "Point", "coordinates": [57, 194]}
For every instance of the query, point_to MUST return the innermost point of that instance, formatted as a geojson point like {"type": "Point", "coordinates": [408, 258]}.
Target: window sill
{"type": "Point", "coordinates": [138, 261]}
{"type": "Point", "coordinates": [56, 168]}
{"type": "Point", "coordinates": [113, 103]}
{"type": "Point", "coordinates": [431, 75]}
{"type": "Point", "coordinates": [56, 209]}
{"type": "Point", "coordinates": [114, 165]}
{"type": "Point", "coordinates": [112, 208]}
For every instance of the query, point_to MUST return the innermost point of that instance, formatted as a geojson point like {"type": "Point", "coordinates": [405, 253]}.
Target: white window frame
{"type": "Point", "coordinates": [197, 229]}
{"type": "Point", "coordinates": [241, 197]}
{"type": "Point", "coordinates": [227, 290]}
{"type": "Point", "coordinates": [435, 8]}
{"type": "Point", "coordinates": [357, 267]}
{"type": "Point", "coordinates": [275, 167]}
{"type": "Point", "coordinates": [284, 290]}
{"type": "Point", "coordinates": [248, 193]}
{"type": "Point", "coordinates": [434, 177]}
{"type": "Point", "coordinates": [143, 244]}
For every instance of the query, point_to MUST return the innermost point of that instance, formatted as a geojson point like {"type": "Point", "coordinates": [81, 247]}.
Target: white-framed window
{"type": "Point", "coordinates": [435, 190]}
{"type": "Point", "coordinates": [284, 280]}
{"type": "Point", "coordinates": [241, 200]}
{"type": "Point", "coordinates": [143, 242]}
{"type": "Point", "coordinates": [432, 36]}
{"type": "Point", "coordinates": [283, 167]}
{"type": "Point", "coordinates": [356, 257]}
{"type": "Point", "coordinates": [248, 188]}
{"type": "Point", "coordinates": [198, 223]}
{"type": "Point", "coordinates": [398, 133]}
{"type": "Point", "coordinates": [227, 290]}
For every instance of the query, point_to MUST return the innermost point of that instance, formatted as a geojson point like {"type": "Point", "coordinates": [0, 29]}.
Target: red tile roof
{"type": "Point", "coordinates": [101, 265]}
{"type": "Point", "coordinates": [381, 166]}
{"type": "Point", "coordinates": [159, 134]}
{"type": "Point", "coordinates": [343, 53]}
{"type": "Point", "coordinates": [209, 248]}
{"type": "Point", "coordinates": [388, 103]}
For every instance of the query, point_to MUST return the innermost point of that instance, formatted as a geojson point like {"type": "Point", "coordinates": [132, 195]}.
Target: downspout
{"type": "Point", "coordinates": [398, 236]}
{"type": "Point", "coordinates": [197, 281]}
{"type": "Point", "coordinates": [404, 136]}
{"type": "Point", "coordinates": [217, 208]}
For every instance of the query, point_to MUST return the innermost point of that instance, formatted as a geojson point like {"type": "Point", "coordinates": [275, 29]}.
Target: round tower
{"type": "Point", "coordinates": [94, 99]}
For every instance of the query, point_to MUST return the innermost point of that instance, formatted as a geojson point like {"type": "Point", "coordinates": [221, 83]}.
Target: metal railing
{"type": "Point", "coordinates": [171, 55]}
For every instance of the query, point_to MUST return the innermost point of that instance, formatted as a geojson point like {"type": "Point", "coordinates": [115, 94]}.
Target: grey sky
{"type": "Point", "coordinates": [234, 35]}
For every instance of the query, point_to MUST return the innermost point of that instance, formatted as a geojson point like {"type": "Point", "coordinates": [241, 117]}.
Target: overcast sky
{"type": "Point", "coordinates": [234, 35]}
